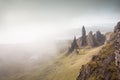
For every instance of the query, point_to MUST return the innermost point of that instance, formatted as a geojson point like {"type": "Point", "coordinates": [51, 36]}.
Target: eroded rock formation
{"type": "Point", "coordinates": [74, 46]}
{"type": "Point", "coordinates": [99, 38]}
{"type": "Point", "coordinates": [83, 39]}
{"type": "Point", "coordinates": [90, 39]}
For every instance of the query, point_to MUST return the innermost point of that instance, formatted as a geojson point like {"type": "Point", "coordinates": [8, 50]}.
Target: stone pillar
{"type": "Point", "coordinates": [83, 43]}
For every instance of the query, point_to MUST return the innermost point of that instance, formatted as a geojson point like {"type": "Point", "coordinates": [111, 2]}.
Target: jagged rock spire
{"type": "Point", "coordinates": [83, 31]}
{"type": "Point", "coordinates": [83, 36]}
{"type": "Point", "coordinates": [75, 42]}
{"type": "Point", "coordinates": [74, 45]}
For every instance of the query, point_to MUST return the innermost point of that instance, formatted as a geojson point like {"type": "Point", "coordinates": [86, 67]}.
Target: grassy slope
{"type": "Point", "coordinates": [102, 66]}
{"type": "Point", "coordinates": [64, 68]}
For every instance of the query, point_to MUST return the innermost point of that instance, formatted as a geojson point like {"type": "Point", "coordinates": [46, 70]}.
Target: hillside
{"type": "Point", "coordinates": [64, 68]}
{"type": "Point", "coordinates": [104, 66]}
{"type": "Point", "coordinates": [94, 63]}
{"type": "Point", "coordinates": [101, 67]}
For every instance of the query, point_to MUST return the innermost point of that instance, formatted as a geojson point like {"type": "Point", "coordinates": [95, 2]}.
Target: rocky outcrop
{"type": "Point", "coordinates": [105, 65]}
{"type": "Point", "coordinates": [74, 46]}
{"type": "Point", "coordinates": [117, 44]}
{"type": "Point", "coordinates": [90, 39]}
{"type": "Point", "coordinates": [99, 38]}
{"type": "Point", "coordinates": [108, 36]}
{"type": "Point", "coordinates": [83, 39]}
{"type": "Point", "coordinates": [117, 27]}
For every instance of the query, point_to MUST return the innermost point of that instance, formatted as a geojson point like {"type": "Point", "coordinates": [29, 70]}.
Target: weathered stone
{"type": "Point", "coordinates": [99, 38]}
{"type": "Point", "coordinates": [117, 44]}
{"type": "Point", "coordinates": [74, 46]}
{"type": "Point", "coordinates": [90, 39]}
{"type": "Point", "coordinates": [108, 37]}
{"type": "Point", "coordinates": [83, 43]}
{"type": "Point", "coordinates": [117, 27]}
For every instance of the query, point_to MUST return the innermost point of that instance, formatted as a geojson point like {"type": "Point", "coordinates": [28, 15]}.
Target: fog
{"type": "Point", "coordinates": [30, 30]}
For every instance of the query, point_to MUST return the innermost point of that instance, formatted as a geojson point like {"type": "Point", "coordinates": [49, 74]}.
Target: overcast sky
{"type": "Point", "coordinates": [24, 21]}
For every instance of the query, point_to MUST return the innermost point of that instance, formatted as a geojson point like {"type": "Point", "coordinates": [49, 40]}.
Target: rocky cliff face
{"type": "Point", "coordinates": [105, 65]}
{"type": "Point", "coordinates": [117, 45]}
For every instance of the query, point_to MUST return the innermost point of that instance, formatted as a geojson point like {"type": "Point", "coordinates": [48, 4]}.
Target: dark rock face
{"type": "Point", "coordinates": [117, 45]}
{"type": "Point", "coordinates": [99, 38]}
{"type": "Point", "coordinates": [79, 41]}
{"type": "Point", "coordinates": [90, 39]}
{"type": "Point", "coordinates": [108, 37]}
{"type": "Point", "coordinates": [74, 46]}
{"type": "Point", "coordinates": [117, 27]}
{"type": "Point", "coordinates": [83, 41]}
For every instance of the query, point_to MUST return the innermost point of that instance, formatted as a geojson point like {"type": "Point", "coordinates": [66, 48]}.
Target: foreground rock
{"type": "Point", "coordinates": [117, 44]}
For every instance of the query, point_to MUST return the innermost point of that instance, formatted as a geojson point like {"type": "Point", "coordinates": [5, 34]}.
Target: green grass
{"type": "Point", "coordinates": [64, 68]}
{"type": "Point", "coordinates": [101, 66]}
